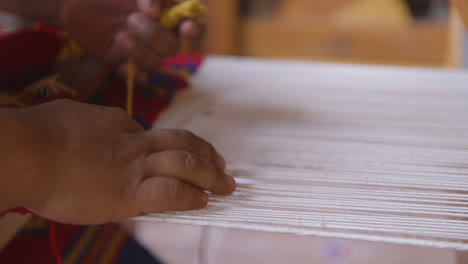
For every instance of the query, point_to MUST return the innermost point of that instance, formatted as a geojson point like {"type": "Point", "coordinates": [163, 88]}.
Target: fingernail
{"type": "Point", "coordinates": [150, 7]}
{"type": "Point", "coordinates": [141, 25]}
{"type": "Point", "coordinates": [204, 198]}
{"type": "Point", "coordinates": [232, 182]}
{"type": "Point", "coordinates": [189, 29]}
{"type": "Point", "coordinates": [221, 162]}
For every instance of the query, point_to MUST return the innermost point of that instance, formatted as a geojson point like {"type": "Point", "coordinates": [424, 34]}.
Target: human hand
{"type": "Point", "coordinates": [94, 164]}
{"type": "Point", "coordinates": [117, 31]}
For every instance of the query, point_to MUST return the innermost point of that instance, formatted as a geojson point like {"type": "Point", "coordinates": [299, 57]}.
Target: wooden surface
{"type": "Point", "coordinates": [462, 6]}
{"type": "Point", "coordinates": [223, 25]}
{"type": "Point", "coordinates": [455, 47]}
{"type": "Point", "coordinates": [360, 31]}
{"type": "Point", "coordinates": [328, 40]}
{"type": "Point", "coordinates": [309, 7]}
{"type": "Point", "coordinates": [458, 24]}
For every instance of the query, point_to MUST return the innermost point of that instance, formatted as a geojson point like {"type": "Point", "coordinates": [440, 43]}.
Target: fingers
{"type": "Point", "coordinates": [192, 29]}
{"type": "Point", "coordinates": [163, 41]}
{"type": "Point", "coordinates": [151, 8]}
{"type": "Point", "coordinates": [146, 42]}
{"type": "Point", "coordinates": [141, 77]}
{"type": "Point", "coordinates": [183, 140]}
{"type": "Point", "coordinates": [159, 194]}
{"type": "Point", "coordinates": [189, 168]}
{"type": "Point", "coordinates": [127, 47]}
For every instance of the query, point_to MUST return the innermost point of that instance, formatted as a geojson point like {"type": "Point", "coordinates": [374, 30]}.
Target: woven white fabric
{"type": "Point", "coordinates": [357, 152]}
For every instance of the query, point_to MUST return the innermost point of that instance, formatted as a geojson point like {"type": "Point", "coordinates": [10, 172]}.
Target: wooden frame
{"type": "Point", "coordinates": [223, 21]}
{"type": "Point", "coordinates": [231, 35]}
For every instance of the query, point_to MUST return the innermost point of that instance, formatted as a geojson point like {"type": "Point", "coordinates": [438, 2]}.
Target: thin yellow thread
{"type": "Point", "coordinates": [172, 17]}
{"type": "Point", "coordinates": [71, 49]}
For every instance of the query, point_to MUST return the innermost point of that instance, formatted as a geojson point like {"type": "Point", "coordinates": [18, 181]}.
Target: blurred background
{"type": "Point", "coordinates": [424, 33]}
{"type": "Point", "coordinates": [390, 32]}
{"type": "Point", "coordinates": [386, 32]}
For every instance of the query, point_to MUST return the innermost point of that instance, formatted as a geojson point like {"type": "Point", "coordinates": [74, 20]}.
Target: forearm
{"type": "Point", "coordinates": [43, 10]}
{"type": "Point", "coordinates": [16, 177]}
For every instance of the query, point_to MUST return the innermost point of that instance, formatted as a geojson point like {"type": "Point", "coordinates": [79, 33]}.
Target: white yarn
{"type": "Point", "coordinates": [377, 157]}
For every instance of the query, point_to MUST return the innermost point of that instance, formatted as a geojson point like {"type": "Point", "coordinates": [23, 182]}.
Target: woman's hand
{"type": "Point", "coordinates": [87, 164]}
{"type": "Point", "coordinates": [118, 31]}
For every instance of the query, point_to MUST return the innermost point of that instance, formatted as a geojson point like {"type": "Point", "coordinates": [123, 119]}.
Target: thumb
{"type": "Point", "coordinates": [160, 194]}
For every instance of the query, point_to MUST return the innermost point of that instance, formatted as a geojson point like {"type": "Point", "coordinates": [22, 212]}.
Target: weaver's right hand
{"type": "Point", "coordinates": [87, 164]}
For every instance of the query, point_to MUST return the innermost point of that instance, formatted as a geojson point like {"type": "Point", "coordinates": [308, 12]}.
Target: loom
{"type": "Point", "coordinates": [342, 157]}
{"type": "Point", "coordinates": [335, 151]}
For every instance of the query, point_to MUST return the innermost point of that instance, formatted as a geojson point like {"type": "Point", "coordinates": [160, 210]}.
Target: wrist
{"type": "Point", "coordinates": [18, 176]}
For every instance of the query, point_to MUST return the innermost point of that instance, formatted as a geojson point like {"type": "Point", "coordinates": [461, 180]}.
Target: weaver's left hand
{"type": "Point", "coordinates": [117, 31]}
